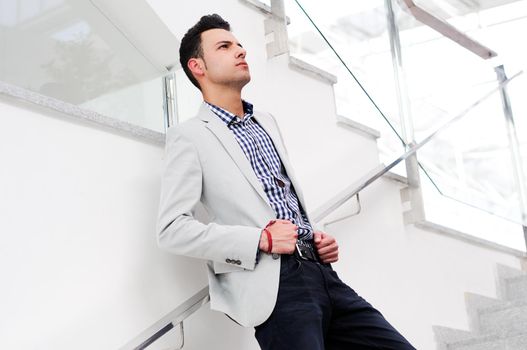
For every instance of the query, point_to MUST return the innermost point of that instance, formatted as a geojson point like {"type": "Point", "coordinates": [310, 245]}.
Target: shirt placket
{"type": "Point", "coordinates": [276, 181]}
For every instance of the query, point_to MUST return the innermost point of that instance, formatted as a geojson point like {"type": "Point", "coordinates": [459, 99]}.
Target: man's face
{"type": "Point", "coordinates": [223, 59]}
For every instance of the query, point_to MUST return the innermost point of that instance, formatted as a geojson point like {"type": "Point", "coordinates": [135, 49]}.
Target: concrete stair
{"type": "Point", "coordinates": [517, 288]}
{"type": "Point", "coordinates": [509, 316]}
{"type": "Point", "coordinates": [495, 324]}
{"type": "Point", "coordinates": [510, 341]}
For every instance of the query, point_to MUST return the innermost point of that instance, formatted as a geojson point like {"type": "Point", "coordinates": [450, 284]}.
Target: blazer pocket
{"type": "Point", "coordinates": [223, 268]}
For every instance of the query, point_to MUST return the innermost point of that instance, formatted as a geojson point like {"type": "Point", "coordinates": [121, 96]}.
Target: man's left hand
{"type": "Point", "coordinates": [327, 247]}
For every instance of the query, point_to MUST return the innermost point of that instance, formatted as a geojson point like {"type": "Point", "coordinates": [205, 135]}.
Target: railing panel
{"type": "Point", "coordinates": [71, 51]}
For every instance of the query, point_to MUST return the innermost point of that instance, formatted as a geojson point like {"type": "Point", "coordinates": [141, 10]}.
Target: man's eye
{"type": "Point", "coordinates": [224, 46]}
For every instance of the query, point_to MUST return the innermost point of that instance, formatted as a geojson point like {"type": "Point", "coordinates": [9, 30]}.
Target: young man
{"type": "Point", "coordinates": [267, 266]}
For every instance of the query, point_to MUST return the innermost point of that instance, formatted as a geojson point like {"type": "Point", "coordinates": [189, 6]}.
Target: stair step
{"type": "Point", "coordinates": [474, 303]}
{"type": "Point", "coordinates": [511, 282]}
{"type": "Point", "coordinates": [447, 335]}
{"type": "Point", "coordinates": [516, 287]}
{"type": "Point", "coordinates": [505, 341]}
{"type": "Point", "coordinates": [503, 318]}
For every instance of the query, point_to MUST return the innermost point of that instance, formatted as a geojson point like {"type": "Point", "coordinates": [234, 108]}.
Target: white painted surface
{"type": "Point", "coordinates": [416, 278]}
{"type": "Point", "coordinates": [79, 263]}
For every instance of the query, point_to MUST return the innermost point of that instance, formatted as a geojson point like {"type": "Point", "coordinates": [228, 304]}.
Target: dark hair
{"type": "Point", "coordinates": [191, 43]}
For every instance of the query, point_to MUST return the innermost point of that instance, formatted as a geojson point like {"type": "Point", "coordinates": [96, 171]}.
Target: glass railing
{"type": "Point", "coordinates": [472, 161]}
{"type": "Point", "coordinates": [470, 164]}
{"type": "Point", "coordinates": [351, 41]}
{"type": "Point", "coordinates": [440, 74]}
{"type": "Point", "coordinates": [496, 26]}
{"type": "Point", "coordinates": [474, 172]}
{"type": "Point", "coordinates": [71, 51]}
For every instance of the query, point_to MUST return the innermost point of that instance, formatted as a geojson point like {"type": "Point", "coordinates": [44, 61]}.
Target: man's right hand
{"type": "Point", "coordinates": [284, 235]}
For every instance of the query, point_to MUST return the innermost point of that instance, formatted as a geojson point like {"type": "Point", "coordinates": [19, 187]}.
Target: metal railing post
{"type": "Point", "coordinates": [169, 100]}
{"type": "Point", "coordinates": [412, 194]}
{"type": "Point", "coordinates": [514, 145]}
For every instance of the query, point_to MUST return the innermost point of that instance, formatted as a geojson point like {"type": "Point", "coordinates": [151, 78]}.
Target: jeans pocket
{"type": "Point", "coordinates": [289, 266]}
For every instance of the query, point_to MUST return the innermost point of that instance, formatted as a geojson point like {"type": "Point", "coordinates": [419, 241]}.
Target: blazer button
{"type": "Point", "coordinates": [275, 256]}
{"type": "Point", "coordinates": [228, 261]}
{"type": "Point", "coordinates": [238, 262]}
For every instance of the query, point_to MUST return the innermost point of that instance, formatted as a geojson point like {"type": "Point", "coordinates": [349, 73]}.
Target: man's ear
{"type": "Point", "coordinates": [196, 67]}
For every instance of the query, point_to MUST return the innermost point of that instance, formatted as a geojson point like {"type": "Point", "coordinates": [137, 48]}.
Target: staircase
{"type": "Point", "coordinates": [495, 324]}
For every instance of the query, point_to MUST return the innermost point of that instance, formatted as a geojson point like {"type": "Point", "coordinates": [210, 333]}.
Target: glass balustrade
{"type": "Point", "coordinates": [467, 171]}
{"type": "Point", "coordinates": [471, 163]}
{"type": "Point", "coordinates": [71, 51]}
{"type": "Point", "coordinates": [358, 32]}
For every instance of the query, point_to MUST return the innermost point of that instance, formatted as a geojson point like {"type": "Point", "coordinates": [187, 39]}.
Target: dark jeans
{"type": "Point", "coordinates": [315, 310]}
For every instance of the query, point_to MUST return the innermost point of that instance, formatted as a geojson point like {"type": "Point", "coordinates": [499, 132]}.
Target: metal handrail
{"type": "Point", "coordinates": [168, 322]}
{"type": "Point", "coordinates": [381, 170]}
{"type": "Point", "coordinates": [448, 30]}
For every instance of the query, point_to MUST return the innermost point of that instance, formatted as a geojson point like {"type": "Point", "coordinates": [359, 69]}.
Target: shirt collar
{"type": "Point", "coordinates": [229, 118]}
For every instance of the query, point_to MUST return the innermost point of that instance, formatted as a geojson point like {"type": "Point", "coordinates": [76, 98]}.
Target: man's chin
{"type": "Point", "coordinates": [247, 80]}
{"type": "Point", "coordinates": [244, 81]}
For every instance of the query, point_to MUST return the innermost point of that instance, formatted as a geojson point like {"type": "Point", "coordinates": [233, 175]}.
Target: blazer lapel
{"type": "Point", "coordinates": [228, 140]}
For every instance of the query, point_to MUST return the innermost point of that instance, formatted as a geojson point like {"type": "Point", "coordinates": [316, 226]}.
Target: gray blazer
{"type": "Point", "coordinates": [205, 167]}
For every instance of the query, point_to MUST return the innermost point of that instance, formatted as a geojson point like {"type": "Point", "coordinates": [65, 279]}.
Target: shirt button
{"type": "Point", "coordinates": [280, 183]}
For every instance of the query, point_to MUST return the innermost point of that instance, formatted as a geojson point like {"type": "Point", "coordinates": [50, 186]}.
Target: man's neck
{"type": "Point", "coordinates": [229, 100]}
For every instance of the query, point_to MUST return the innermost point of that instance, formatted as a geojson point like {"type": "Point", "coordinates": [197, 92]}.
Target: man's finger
{"type": "Point", "coordinates": [329, 255]}
{"type": "Point", "coordinates": [325, 242]}
{"type": "Point", "coordinates": [327, 249]}
{"type": "Point", "coordinates": [329, 261]}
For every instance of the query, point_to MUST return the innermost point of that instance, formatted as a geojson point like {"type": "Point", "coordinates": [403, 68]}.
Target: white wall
{"type": "Point", "coordinates": [79, 262]}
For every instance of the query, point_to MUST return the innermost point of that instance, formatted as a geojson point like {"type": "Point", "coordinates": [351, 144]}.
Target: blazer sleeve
{"type": "Point", "coordinates": [178, 231]}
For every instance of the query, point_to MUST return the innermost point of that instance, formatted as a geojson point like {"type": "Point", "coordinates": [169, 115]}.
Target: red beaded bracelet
{"type": "Point", "coordinates": [269, 240]}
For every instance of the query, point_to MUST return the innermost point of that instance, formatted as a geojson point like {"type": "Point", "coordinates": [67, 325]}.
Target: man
{"type": "Point", "coordinates": [267, 266]}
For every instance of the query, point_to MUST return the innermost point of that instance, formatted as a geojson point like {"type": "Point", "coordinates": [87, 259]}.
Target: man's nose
{"type": "Point", "coordinates": [241, 53]}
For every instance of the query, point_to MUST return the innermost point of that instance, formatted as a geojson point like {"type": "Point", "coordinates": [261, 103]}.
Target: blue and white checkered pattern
{"type": "Point", "coordinates": [261, 153]}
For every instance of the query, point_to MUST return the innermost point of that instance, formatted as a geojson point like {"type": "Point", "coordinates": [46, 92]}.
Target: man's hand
{"type": "Point", "coordinates": [284, 236]}
{"type": "Point", "coordinates": [327, 247]}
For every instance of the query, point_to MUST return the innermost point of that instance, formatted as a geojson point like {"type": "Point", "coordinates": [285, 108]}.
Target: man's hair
{"type": "Point", "coordinates": [191, 43]}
